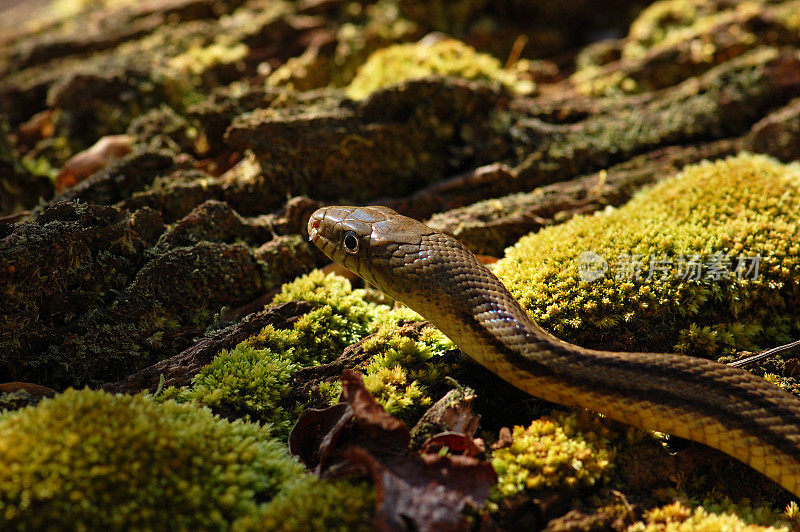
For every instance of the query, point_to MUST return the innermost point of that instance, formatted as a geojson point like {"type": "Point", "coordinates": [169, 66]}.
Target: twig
{"type": "Point", "coordinates": [764, 354]}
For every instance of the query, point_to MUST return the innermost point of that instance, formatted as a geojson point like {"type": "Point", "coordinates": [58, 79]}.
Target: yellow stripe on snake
{"type": "Point", "coordinates": [694, 398]}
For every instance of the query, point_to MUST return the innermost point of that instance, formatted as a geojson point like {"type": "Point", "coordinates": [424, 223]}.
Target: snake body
{"type": "Point", "coordinates": [697, 399]}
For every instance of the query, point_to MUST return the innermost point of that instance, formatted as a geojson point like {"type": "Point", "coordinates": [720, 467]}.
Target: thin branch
{"type": "Point", "coordinates": [764, 354]}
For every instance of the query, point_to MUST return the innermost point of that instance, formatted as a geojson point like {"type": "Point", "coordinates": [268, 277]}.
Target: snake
{"type": "Point", "coordinates": [690, 397]}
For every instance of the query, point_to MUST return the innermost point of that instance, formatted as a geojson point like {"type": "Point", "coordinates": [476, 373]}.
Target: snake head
{"type": "Point", "coordinates": [375, 243]}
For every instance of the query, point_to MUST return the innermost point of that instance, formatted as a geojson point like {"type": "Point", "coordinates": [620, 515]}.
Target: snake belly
{"type": "Point", "coordinates": [694, 398]}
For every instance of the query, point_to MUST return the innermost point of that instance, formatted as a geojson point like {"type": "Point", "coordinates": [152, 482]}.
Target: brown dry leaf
{"type": "Point", "coordinates": [83, 164]}
{"type": "Point", "coordinates": [414, 491]}
{"type": "Point", "coordinates": [454, 443]}
{"type": "Point", "coordinates": [39, 126]}
{"type": "Point", "coordinates": [315, 434]}
{"type": "Point", "coordinates": [427, 492]}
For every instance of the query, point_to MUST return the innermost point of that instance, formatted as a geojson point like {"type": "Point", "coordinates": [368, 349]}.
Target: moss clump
{"type": "Point", "coordinates": [344, 318]}
{"type": "Point", "coordinates": [563, 452]}
{"type": "Point", "coordinates": [91, 460]}
{"type": "Point", "coordinates": [397, 63]}
{"type": "Point", "coordinates": [402, 369]}
{"type": "Point", "coordinates": [245, 382]}
{"type": "Point", "coordinates": [677, 517]}
{"type": "Point", "coordinates": [254, 379]}
{"type": "Point", "coordinates": [16, 399]}
{"type": "Point", "coordinates": [197, 60]}
{"type": "Point", "coordinates": [312, 504]}
{"type": "Point", "coordinates": [742, 207]}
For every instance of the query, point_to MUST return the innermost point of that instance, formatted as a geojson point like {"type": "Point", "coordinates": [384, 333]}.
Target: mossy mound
{"type": "Point", "coordinates": [743, 210]}
{"type": "Point", "coordinates": [254, 379]}
{"type": "Point", "coordinates": [402, 371]}
{"type": "Point", "coordinates": [90, 460]}
{"type": "Point", "coordinates": [448, 57]}
{"type": "Point", "coordinates": [677, 517]}
{"type": "Point", "coordinates": [564, 452]}
{"type": "Point", "coordinates": [311, 504]}
{"type": "Point", "coordinates": [244, 383]}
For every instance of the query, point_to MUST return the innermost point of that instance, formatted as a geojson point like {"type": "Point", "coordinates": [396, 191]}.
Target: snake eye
{"type": "Point", "coordinates": [350, 242]}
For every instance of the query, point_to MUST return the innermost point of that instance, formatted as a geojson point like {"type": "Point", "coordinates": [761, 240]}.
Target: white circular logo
{"type": "Point", "coordinates": [591, 266]}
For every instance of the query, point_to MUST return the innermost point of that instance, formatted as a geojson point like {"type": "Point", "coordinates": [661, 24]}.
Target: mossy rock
{"type": "Point", "coordinates": [91, 460]}
{"type": "Point", "coordinates": [739, 209]}
{"type": "Point", "coordinates": [447, 57]}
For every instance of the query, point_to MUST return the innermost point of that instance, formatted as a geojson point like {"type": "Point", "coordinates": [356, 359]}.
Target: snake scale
{"type": "Point", "coordinates": [694, 398]}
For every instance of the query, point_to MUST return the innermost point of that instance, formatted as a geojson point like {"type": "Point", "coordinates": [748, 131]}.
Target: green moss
{"type": "Point", "coordinates": [348, 309]}
{"type": "Point", "coordinates": [90, 460]}
{"type": "Point", "coordinates": [673, 40]}
{"type": "Point", "coordinates": [677, 517]}
{"type": "Point", "coordinates": [245, 382]}
{"type": "Point", "coordinates": [745, 206]}
{"type": "Point", "coordinates": [198, 59]}
{"type": "Point", "coordinates": [255, 378]}
{"type": "Point", "coordinates": [15, 400]}
{"type": "Point", "coordinates": [402, 369]}
{"type": "Point", "coordinates": [312, 504]}
{"type": "Point", "coordinates": [397, 63]}
{"type": "Point", "coordinates": [563, 452]}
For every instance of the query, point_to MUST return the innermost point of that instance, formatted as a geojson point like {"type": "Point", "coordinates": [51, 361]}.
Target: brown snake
{"type": "Point", "coordinates": [694, 398]}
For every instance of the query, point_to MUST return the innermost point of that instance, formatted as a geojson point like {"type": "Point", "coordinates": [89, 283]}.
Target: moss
{"type": "Point", "coordinates": [16, 399]}
{"type": "Point", "coordinates": [670, 21]}
{"type": "Point", "coordinates": [245, 382]}
{"type": "Point", "coordinates": [744, 206]}
{"type": "Point", "coordinates": [563, 452]}
{"type": "Point", "coordinates": [255, 378]}
{"type": "Point", "coordinates": [710, 517]}
{"type": "Point", "coordinates": [312, 504]}
{"type": "Point", "coordinates": [89, 460]}
{"type": "Point", "coordinates": [346, 305]}
{"type": "Point", "coordinates": [197, 60]}
{"type": "Point", "coordinates": [402, 369]}
{"type": "Point", "coordinates": [449, 57]}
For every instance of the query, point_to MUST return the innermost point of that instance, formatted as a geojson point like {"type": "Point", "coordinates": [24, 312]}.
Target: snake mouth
{"type": "Point", "coordinates": [319, 233]}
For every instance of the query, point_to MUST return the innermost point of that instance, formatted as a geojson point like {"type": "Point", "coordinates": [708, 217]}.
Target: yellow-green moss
{"type": "Point", "coordinates": [198, 59]}
{"type": "Point", "coordinates": [312, 504]}
{"type": "Point", "coordinates": [397, 63]}
{"type": "Point", "coordinates": [91, 460]}
{"type": "Point", "coordinates": [744, 206]}
{"type": "Point", "coordinates": [670, 21]}
{"type": "Point", "coordinates": [255, 378]}
{"type": "Point", "coordinates": [245, 382]}
{"type": "Point", "coordinates": [701, 32]}
{"type": "Point", "coordinates": [561, 452]}
{"type": "Point", "coordinates": [677, 517]}
{"type": "Point", "coordinates": [401, 369]}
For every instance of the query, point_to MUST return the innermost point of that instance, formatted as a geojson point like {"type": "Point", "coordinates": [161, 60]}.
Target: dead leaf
{"type": "Point", "coordinates": [414, 491]}
{"type": "Point", "coordinates": [454, 442]}
{"type": "Point", "coordinates": [83, 164]}
{"type": "Point", "coordinates": [426, 492]}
